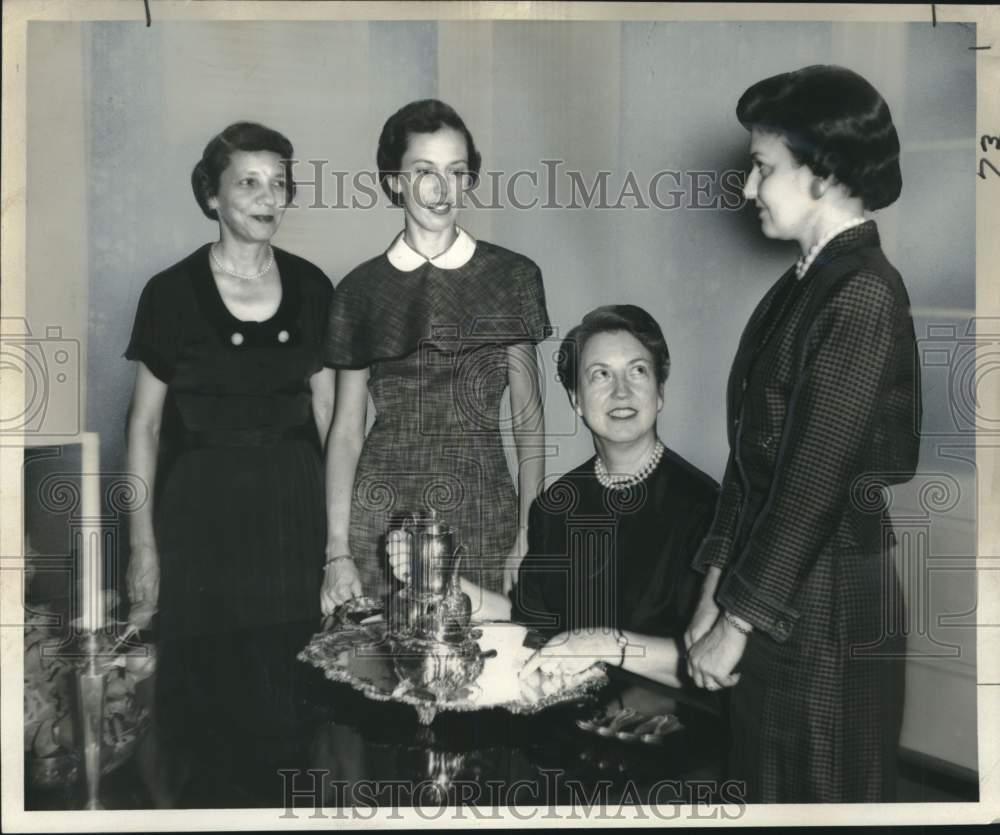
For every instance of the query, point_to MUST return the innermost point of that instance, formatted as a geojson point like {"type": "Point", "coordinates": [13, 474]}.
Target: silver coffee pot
{"type": "Point", "coordinates": [432, 605]}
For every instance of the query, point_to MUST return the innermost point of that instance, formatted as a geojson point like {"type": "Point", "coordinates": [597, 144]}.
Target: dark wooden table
{"type": "Point", "coordinates": [351, 751]}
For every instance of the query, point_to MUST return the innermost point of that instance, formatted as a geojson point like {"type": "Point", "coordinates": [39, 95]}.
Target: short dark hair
{"type": "Point", "coordinates": [612, 318]}
{"type": "Point", "coordinates": [239, 136]}
{"type": "Point", "coordinates": [834, 121]}
{"type": "Point", "coordinates": [424, 116]}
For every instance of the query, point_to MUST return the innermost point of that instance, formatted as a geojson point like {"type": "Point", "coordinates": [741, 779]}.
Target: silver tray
{"type": "Point", "coordinates": [361, 656]}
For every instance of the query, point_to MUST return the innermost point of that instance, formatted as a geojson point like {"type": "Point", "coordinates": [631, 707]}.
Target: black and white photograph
{"type": "Point", "coordinates": [502, 414]}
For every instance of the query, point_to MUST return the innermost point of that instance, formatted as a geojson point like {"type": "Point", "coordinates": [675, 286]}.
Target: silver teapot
{"type": "Point", "coordinates": [432, 605]}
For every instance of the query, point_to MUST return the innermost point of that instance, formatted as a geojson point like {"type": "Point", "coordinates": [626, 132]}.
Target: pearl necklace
{"type": "Point", "coordinates": [623, 482]}
{"type": "Point", "coordinates": [267, 266]}
{"type": "Point", "coordinates": [806, 261]}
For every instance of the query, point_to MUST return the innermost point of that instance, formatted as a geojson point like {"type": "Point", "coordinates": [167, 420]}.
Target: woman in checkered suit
{"type": "Point", "coordinates": [800, 610]}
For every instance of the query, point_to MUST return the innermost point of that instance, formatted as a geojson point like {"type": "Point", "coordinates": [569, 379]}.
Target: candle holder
{"type": "Point", "coordinates": [90, 681]}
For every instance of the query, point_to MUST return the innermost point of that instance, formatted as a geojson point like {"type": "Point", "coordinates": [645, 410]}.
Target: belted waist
{"type": "Point", "coordinates": [256, 436]}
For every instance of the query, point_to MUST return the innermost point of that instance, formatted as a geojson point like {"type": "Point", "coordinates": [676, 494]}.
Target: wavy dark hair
{"type": "Point", "coordinates": [424, 116]}
{"type": "Point", "coordinates": [834, 121]}
{"type": "Point", "coordinates": [612, 318]}
{"type": "Point", "coordinates": [239, 136]}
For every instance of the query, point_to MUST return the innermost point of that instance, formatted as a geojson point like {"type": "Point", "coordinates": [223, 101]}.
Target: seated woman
{"type": "Point", "coordinates": [607, 574]}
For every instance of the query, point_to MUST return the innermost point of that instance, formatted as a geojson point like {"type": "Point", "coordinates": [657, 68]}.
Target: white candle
{"type": "Point", "coordinates": [93, 564]}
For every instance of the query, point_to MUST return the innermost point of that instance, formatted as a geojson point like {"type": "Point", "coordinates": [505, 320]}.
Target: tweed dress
{"type": "Point", "coordinates": [435, 342]}
{"type": "Point", "coordinates": [823, 403]}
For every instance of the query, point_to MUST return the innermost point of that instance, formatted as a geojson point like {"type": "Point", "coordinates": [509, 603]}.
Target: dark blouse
{"type": "Point", "coordinates": [618, 559]}
{"type": "Point", "coordinates": [223, 372]}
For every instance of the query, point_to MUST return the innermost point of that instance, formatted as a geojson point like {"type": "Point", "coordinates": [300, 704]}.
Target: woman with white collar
{"type": "Point", "coordinates": [435, 329]}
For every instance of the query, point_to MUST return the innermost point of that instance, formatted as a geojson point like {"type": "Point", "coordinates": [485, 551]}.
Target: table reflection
{"type": "Point", "coordinates": [348, 750]}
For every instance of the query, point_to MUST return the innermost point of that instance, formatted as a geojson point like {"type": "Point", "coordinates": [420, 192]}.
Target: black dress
{"type": "Point", "coordinates": [615, 559]}
{"type": "Point", "coordinates": [240, 515]}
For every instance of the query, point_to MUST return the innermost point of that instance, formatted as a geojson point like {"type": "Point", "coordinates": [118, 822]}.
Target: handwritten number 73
{"type": "Point", "coordinates": [984, 142]}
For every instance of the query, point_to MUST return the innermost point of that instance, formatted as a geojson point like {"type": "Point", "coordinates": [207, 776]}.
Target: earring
{"type": "Point", "coordinates": [817, 188]}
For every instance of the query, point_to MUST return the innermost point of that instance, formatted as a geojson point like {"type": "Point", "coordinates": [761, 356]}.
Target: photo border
{"type": "Point", "coordinates": [16, 15]}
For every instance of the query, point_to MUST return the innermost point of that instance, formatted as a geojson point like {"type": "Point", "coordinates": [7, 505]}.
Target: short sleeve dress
{"type": "Point", "coordinates": [609, 558]}
{"type": "Point", "coordinates": [239, 512]}
{"type": "Point", "coordinates": [435, 342]}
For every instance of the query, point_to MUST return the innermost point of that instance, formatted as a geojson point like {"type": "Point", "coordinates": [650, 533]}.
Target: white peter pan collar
{"type": "Point", "coordinates": [406, 259]}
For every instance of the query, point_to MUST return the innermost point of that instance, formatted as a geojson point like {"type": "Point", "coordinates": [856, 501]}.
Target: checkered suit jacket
{"type": "Point", "coordinates": [823, 400]}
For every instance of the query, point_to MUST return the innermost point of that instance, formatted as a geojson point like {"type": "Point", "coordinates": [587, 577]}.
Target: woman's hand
{"type": "Point", "coordinates": [707, 611]}
{"type": "Point", "coordinates": [341, 582]}
{"type": "Point", "coordinates": [569, 653]}
{"type": "Point", "coordinates": [704, 618]}
{"type": "Point", "coordinates": [142, 579]}
{"type": "Point", "coordinates": [343, 449]}
{"type": "Point", "coordinates": [513, 563]}
{"type": "Point", "coordinates": [397, 544]}
{"type": "Point", "coordinates": [143, 575]}
{"type": "Point", "coordinates": [712, 659]}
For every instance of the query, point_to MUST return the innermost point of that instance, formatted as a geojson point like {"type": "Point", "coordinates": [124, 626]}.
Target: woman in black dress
{"type": "Point", "coordinates": [230, 550]}
{"type": "Point", "coordinates": [824, 404]}
{"type": "Point", "coordinates": [608, 572]}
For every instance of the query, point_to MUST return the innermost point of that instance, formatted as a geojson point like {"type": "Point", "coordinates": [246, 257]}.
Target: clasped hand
{"type": "Point", "coordinates": [714, 653]}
